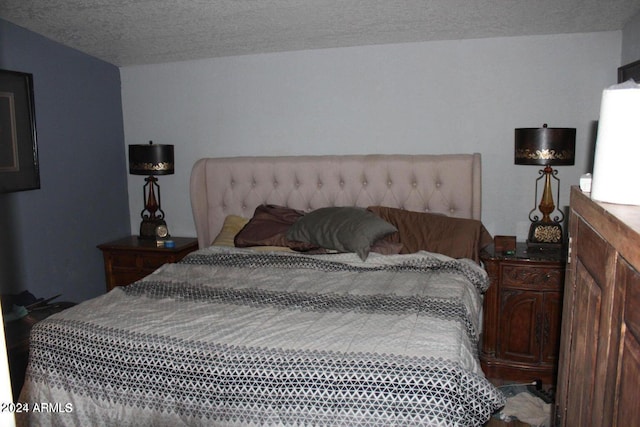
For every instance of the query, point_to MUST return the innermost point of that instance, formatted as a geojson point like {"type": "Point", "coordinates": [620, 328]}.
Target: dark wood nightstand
{"type": "Point", "coordinates": [17, 335]}
{"type": "Point", "coordinates": [522, 313]}
{"type": "Point", "coordinates": [129, 259]}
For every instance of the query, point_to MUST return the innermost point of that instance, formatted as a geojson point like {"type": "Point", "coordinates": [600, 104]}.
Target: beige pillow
{"type": "Point", "coordinates": [232, 226]}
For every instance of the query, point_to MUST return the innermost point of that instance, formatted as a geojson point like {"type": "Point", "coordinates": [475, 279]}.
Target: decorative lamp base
{"type": "Point", "coordinates": [148, 228]}
{"type": "Point", "coordinates": [545, 236]}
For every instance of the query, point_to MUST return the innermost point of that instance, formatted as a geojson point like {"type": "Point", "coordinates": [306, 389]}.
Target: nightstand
{"type": "Point", "coordinates": [129, 259]}
{"type": "Point", "coordinates": [522, 313]}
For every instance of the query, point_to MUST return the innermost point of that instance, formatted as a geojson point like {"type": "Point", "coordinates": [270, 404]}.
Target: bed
{"type": "Point", "coordinates": [377, 324]}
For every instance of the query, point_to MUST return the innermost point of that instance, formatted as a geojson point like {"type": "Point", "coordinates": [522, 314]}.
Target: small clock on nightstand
{"type": "Point", "coordinates": [162, 232]}
{"type": "Point", "coordinates": [522, 313]}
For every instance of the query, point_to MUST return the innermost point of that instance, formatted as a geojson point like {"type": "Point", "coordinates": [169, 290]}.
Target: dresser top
{"type": "Point", "coordinates": [618, 224]}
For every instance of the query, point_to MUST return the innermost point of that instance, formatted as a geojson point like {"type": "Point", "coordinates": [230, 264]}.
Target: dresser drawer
{"type": "Point", "coordinates": [532, 277]}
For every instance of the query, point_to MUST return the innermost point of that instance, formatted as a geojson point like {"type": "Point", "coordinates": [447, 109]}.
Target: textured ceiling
{"type": "Point", "coordinates": [128, 32]}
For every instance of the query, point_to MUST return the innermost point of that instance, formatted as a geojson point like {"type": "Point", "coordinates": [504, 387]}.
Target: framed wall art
{"type": "Point", "coordinates": [19, 168]}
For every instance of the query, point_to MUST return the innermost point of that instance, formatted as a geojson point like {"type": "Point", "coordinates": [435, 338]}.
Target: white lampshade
{"type": "Point", "coordinates": [616, 175]}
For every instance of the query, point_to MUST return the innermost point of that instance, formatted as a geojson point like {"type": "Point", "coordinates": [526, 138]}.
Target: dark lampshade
{"type": "Point", "coordinates": [151, 159]}
{"type": "Point", "coordinates": [545, 146]}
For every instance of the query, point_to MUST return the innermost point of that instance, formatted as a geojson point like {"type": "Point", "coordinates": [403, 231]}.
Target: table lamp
{"type": "Point", "coordinates": [546, 147]}
{"type": "Point", "coordinates": [151, 160]}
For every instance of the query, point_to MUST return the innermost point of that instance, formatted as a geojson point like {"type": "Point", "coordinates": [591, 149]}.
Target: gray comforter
{"type": "Point", "coordinates": [235, 337]}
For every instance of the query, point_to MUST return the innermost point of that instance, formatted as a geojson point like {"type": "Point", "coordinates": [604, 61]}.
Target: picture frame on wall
{"type": "Point", "coordinates": [19, 166]}
{"type": "Point", "coordinates": [629, 71]}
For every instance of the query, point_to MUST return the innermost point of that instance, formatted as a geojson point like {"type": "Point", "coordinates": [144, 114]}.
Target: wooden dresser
{"type": "Point", "coordinates": [599, 367]}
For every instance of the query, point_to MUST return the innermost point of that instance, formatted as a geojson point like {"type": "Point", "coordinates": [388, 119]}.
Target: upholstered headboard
{"type": "Point", "coordinates": [448, 184]}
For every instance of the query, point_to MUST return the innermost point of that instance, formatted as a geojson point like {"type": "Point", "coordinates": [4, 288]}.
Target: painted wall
{"type": "Point", "coordinates": [437, 97]}
{"type": "Point", "coordinates": [49, 236]}
{"type": "Point", "coordinates": [631, 40]}
{"type": "Point", "coordinates": [434, 97]}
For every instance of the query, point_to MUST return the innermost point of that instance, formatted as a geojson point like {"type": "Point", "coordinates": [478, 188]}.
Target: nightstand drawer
{"type": "Point", "coordinates": [155, 262]}
{"type": "Point", "coordinates": [149, 262]}
{"type": "Point", "coordinates": [532, 277]}
{"type": "Point", "coordinates": [123, 260]}
{"type": "Point", "coordinates": [122, 277]}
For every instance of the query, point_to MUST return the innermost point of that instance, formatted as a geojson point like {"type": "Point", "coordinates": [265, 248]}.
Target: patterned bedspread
{"type": "Point", "coordinates": [234, 337]}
